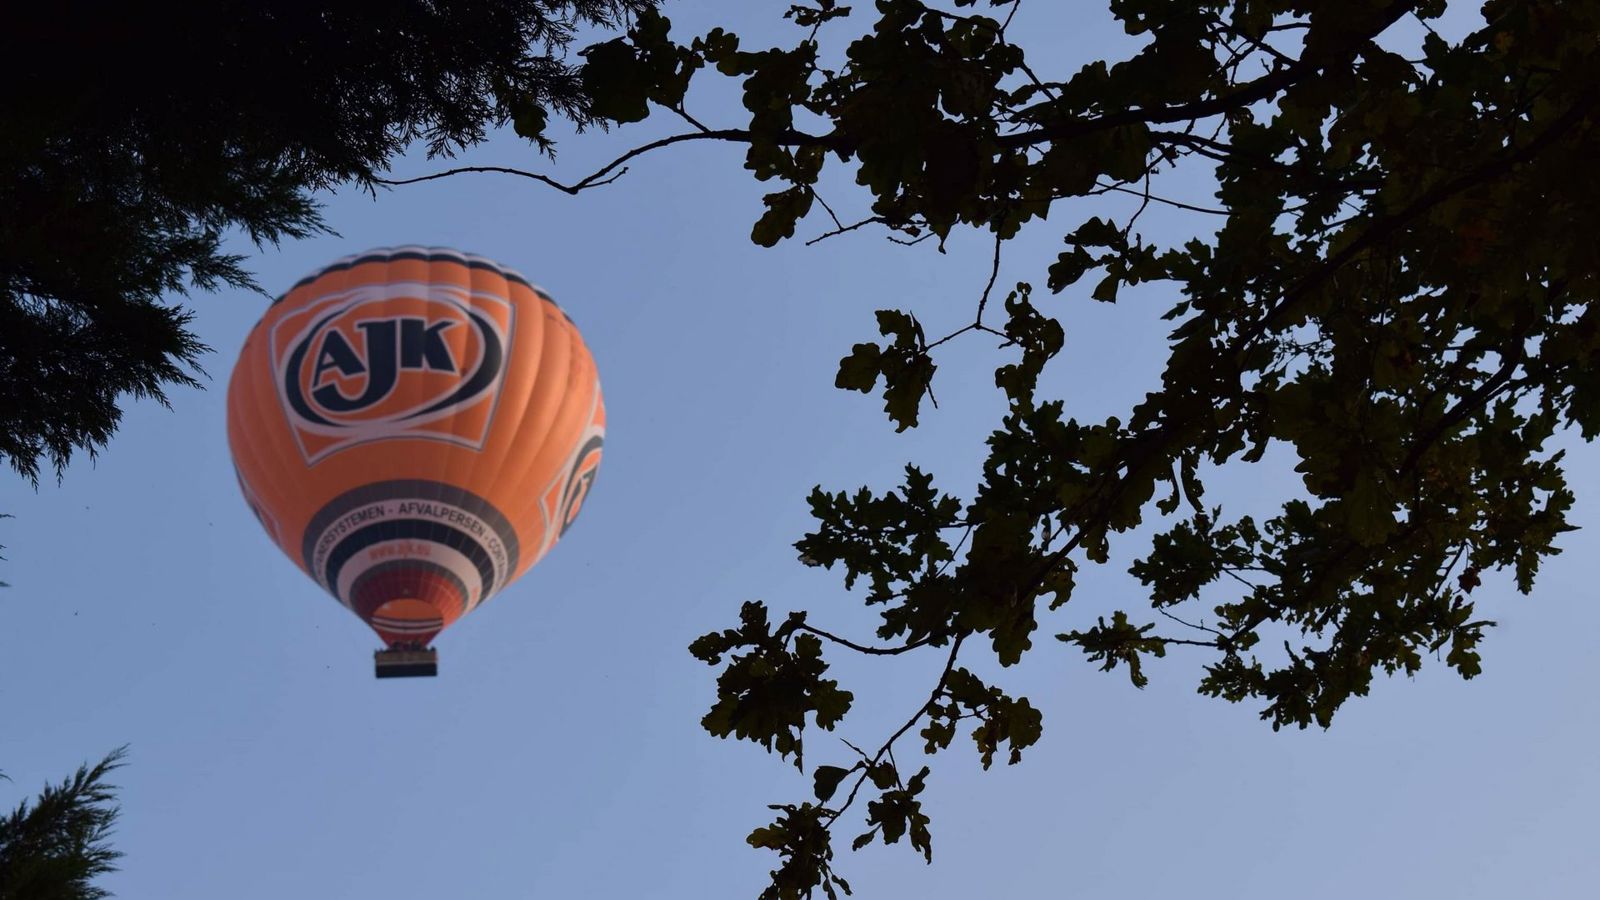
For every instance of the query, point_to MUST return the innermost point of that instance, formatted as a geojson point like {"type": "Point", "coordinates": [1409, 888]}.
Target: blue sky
{"type": "Point", "coordinates": [559, 752]}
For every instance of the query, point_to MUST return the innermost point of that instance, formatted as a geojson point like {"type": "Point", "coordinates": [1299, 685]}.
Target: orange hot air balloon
{"type": "Point", "coordinates": [415, 427]}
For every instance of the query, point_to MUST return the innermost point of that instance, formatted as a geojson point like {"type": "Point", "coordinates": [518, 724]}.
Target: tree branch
{"type": "Point", "coordinates": [1184, 642]}
{"type": "Point", "coordinates": [994, 273]}
{"type": "Point", "coordinates": [1260, 89]}
{"type": "Point", "coordinates": [843, 229]}
{"type": "Point", "coordinates": [599, 177]}
{"type": "Point", "coordinates": [938, 689]}
{"type": "Point", "coordinates": [864, 648]}
{"type": "Point", "coordinates": [1187, 624]}
{"type": "Point", "coordinates": [1148, 197]}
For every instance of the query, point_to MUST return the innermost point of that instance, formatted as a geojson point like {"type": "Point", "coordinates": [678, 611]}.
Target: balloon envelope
{"type": "Point", "coordinates": [415, 427]}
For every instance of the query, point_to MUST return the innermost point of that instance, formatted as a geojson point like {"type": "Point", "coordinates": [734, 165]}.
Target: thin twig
{"type": "Point", "coordinates": [842, 229]}
{"type": "Point", "coordinates": [952, 335]}
{"type": "Point", "coordinates": [1204, 628]}
{"type": "Point", "coordinates": [1178, 203]}
{"type": "Point", "coordinates": [681, 111]}
{"type": "Point", "coordinates": [504, 170]}
{"type": "Point", "coordinates": [828, 209]}
{"type": "Point", "coordinates": [938, 689]}
{"type": "Point", "coordinates": [1144, 204]}
{"type": "Point", "coordinates": [599, 177]}
{"type": "Point", "coordinates": [864, 648]}
{"type": "Point", "coordinates": [994, 272]}
{"type": "Point", "coordinates": [1259, 44]}
{"type": "Point", "coordinates": [911, 243]}
{"type": "Point", "coordinates": [1183, 642]}
{"type": "Point", "coordinates": [1240, 578]}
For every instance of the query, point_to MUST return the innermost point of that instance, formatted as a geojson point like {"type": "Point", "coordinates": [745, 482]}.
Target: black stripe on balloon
{"type": "Point", "coordinates": [417, 255]}
{"type": "Point", "coordinates": [418, 489]}
{"type": "Point", "coordinates": [408, 529]}
{"type": "Point", "coordinates": [480, 264]}
{"type": "Point", "coordinates": [411, 565]}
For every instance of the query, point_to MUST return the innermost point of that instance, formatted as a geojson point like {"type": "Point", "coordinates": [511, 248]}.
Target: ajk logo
{"type": "Point", "coordinates": [366, 366]}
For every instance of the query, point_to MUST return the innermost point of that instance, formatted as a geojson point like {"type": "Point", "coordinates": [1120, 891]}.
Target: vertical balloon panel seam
{"type": "Point", "coordinates": [537, 473]}
{"type": "Point", "coordinates": [568, 443]}
{"type": "Point", "coordinates": [458, 468]}
{"type": "Point", "coordinates": [539, 416]}
{"type": "Point", "coordinates": [565, 436]}
{"type": "Point", "coordinates": [490, 479]}
{"type": "Point", "coordinates": [509, 470]}
{"type": "Point", "coordinates": [530, 382]}
{"type": "Point", "coordinates": [481, 280]}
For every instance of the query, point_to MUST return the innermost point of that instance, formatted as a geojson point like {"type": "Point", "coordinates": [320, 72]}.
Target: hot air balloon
{"type": "Point", "coordinates": [415, 427]}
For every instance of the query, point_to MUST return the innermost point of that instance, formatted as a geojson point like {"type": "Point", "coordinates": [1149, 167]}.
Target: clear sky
{"type": "Point", "coordinates": [559, 752]}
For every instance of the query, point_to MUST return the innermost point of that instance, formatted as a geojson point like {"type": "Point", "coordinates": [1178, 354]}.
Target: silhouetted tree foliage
{"type": "Point", "coordinates": [54, 848]}
{"type": "Point", "coordinates": [1399, 294]}
{"type": "Point", "coordinates": [134, 136]}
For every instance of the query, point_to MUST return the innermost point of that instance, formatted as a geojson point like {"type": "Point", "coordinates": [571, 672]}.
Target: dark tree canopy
{"type": "Point", "coordinates": [1398, 293]}
{"type": "Point", "coordinates": [55, 847]}
{"type": "Point", "coordinates": [1395, 287]}
{"type": "Point", "coordinates": [134, 136]}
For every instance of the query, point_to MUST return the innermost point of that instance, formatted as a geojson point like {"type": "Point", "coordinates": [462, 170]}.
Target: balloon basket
{"type": "Point", "coordinates": [406, 663]}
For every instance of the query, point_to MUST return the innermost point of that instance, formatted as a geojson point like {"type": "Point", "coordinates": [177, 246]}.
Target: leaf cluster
{"type": "Point", "coordinates": [772, 683]}
{"type": "Point", "coordinates": [1394, 289]}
